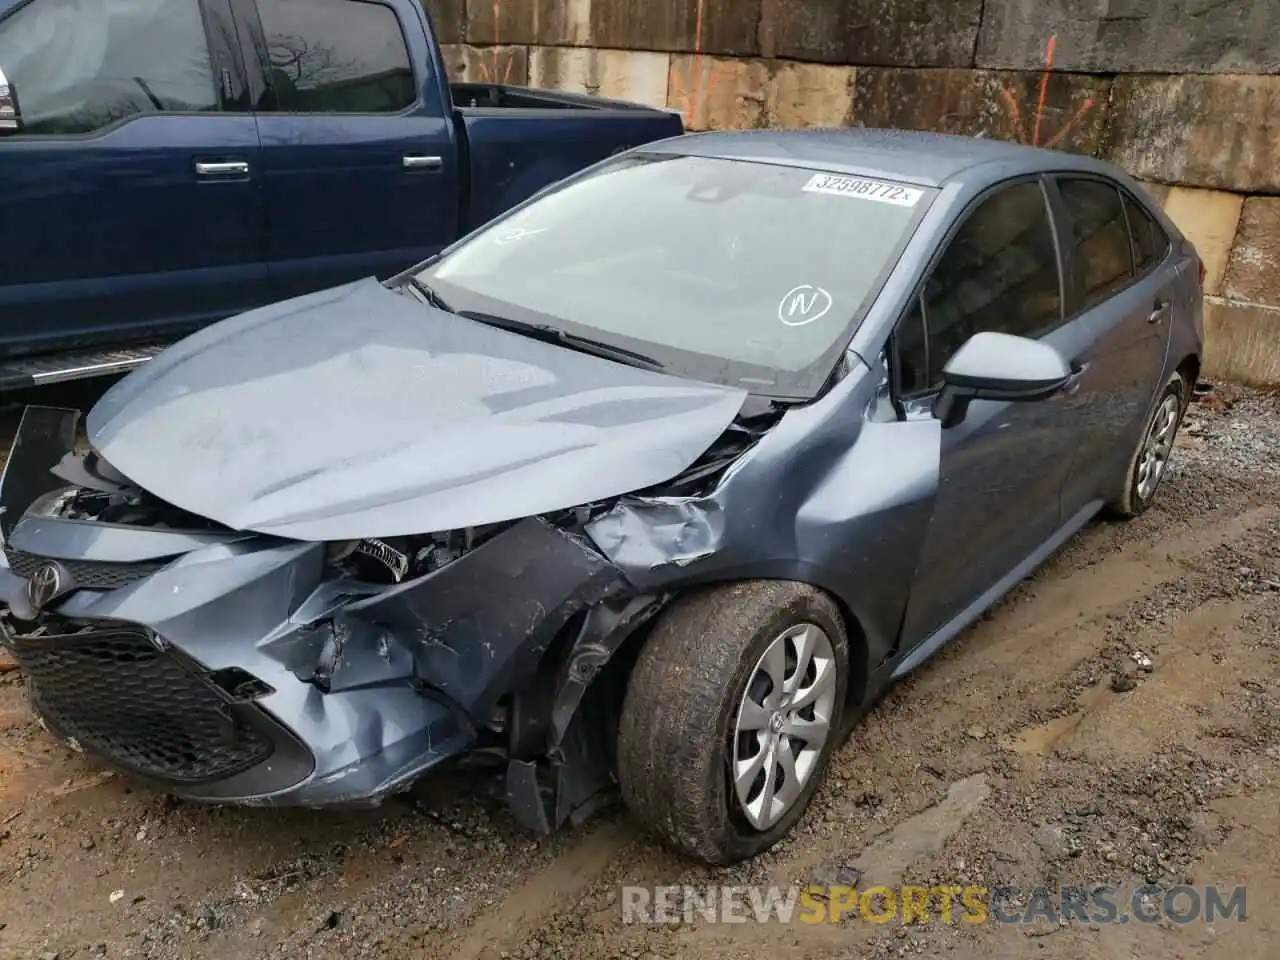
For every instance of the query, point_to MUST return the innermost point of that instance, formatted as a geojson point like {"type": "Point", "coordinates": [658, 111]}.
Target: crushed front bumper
{"type": "Point", "coordinates": [204, 692]}
{"type": "Point", "coordinates": [227, 668]}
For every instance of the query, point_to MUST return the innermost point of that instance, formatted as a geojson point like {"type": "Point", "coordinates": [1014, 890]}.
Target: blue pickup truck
{"type": "Point", "coordinates": [167, 163]}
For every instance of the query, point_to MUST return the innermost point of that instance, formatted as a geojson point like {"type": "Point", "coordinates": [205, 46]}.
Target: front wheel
{"type": "Point", "coordinates": [731, 716]}
{"type": "Point", "coordinates": [1150, 461]}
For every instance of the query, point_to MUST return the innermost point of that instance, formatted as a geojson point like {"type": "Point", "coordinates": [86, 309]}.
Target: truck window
{"type": "Point", "coordinates": [337, 56]}
{"type": "Point", "coordinates": [76, 66]}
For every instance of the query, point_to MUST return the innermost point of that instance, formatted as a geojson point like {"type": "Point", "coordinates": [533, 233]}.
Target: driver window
{"type": "Point", "coordinates": [77, 66]}
{"type": "Point", "coordinates": [999, 273]}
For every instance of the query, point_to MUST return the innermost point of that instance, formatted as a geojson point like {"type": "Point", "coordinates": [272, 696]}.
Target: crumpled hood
{"type": "Point", "coordinates": [359, 412]}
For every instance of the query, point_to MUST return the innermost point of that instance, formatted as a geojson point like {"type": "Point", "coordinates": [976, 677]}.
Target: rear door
{"type": "Point", "coordinates": [128, 183]}
{"type": "Point", "coordinates": [1125, 286]}
{"type": "Point", "coordinates": [360, 160]}
{"type": "Point", "coordinates": [1002, 468]}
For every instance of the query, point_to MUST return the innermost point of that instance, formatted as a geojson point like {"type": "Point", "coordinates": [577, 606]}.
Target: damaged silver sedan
{"type": "Point", "coordinates": [655, 483]}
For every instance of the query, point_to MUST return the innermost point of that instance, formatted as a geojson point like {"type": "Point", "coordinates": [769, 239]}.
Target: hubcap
{"type": "Point", "coordinates": [1158, 446]}
{"type": "Point", "coordinates": [783, 723]}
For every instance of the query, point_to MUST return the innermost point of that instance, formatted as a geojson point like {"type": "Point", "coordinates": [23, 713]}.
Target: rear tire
{"type": "Point", "coordinates": [702, 701]}
{"type": "Point", "coordinates": [1150, 459]}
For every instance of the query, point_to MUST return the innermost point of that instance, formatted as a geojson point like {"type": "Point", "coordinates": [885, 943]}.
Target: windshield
{"type": "Point", "coordinates": [733, 272]}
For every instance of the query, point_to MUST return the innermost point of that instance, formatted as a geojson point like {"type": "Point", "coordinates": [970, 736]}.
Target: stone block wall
{"type": "Point", "coordinates": [1184, 94]}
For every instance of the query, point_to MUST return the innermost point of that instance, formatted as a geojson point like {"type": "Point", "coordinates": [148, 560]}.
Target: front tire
{"type": "Point", "coordinates": [1150, 460]}
{"type": "Point", "coordinates": [731, 715]}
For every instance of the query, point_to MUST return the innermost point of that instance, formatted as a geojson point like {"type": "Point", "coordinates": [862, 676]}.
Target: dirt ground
{"type": "Point", "coordinates": [1115, 720]}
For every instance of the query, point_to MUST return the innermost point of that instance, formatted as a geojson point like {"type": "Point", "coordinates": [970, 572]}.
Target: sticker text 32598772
{"type": "Point", "coordinates": [864, 189]}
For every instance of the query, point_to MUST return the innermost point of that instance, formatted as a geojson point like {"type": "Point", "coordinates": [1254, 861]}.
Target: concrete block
{"type": "Point", "coordinates": [508, 65]}
{"type": "Point", "coordinates": [1205, 131]}
{"type": "Point", "coordinates": [918, 33]}
{"type": "Point", "coordinates": [1242, 342]}
{"type": "Point", "coordinates": [550, 22]}
{"type": "Point", "coordinates": [716, 93]}
{"type": "Point", "coordinates": [812, 95]}
{"type": "Point", "coordinates": [448, 19]}
{"type": "Point", "coordinates": [718, 27]}
{"type": "Point", "coordinates": [727, 27]}
{"type": "Point", "coordinates": [1156, 191]}
{"type": "Point", "coordinates": [1254, 270]}
{"type": "Point", "coordinates": [1132, 36]}
{"type": "Point", "coordinates": [1000, 105]}
{"type": "Point", "coordinates": [617, 74]}
{"type": "Point", "coordinates": [1209, 219]}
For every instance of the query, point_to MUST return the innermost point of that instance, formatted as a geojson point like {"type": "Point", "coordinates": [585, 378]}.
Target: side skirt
{"type": "Point", "coordinates": [939, 638]}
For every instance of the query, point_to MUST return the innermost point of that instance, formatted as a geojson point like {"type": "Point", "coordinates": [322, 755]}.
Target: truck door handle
{"type": "Point", "coordinates": [416, 161]}
{"type": "Point", "coordinates": [1159, 312]}
{"type": "Point", "coordinates": [229, 168]}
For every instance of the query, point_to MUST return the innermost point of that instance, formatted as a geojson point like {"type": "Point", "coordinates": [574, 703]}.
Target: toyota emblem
{"type": "Point", "coordinates": [45, 584]}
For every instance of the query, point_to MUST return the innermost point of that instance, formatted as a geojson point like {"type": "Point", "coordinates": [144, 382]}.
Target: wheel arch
{"type": "Point", "coordinates": [1189, 369]}
{"type": "Point", "coordinates": [863, 640]}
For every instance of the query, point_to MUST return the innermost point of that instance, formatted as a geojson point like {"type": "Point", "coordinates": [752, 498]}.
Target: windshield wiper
{"type": "Point", "coordinates": [549, 334]}
{"type": "Point", "coordinates": [428, 294]}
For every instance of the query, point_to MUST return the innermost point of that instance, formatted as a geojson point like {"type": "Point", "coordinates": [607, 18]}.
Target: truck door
{"type": "Point", "coordinates": [128, 185]}
{"type": "Point", "coordinates": [360, 159]}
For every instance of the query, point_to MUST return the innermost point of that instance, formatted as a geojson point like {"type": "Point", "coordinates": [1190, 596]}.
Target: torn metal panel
{"type": "Point", "coordinates": [831, 496]}
{"type": "Point", "coordinates": [605, 628]}
{"type": "Point", "coordinates": [655, 534]}
{"type": "Point", "coordinates": [478, 626]}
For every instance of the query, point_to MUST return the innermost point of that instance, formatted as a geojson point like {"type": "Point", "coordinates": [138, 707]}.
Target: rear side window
{"type": "Point", "coordinates": [999, 273]}
{"type": "Point", "coordinates": [1101, 235]}
{"type": "Point", "coordinates": [77, 66]}
{"type": "Point", "coordinates": [336, 56]}
{"type": "Point", "coordinates": [1149, 240]}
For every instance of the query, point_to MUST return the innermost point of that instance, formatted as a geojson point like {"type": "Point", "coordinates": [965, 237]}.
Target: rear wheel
{"type": "Point", "coordinates": [1150, 461]}
{"type": "Point", "coordinates": [731, 715]}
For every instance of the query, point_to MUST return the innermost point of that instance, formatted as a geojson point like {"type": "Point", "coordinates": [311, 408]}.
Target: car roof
{"type": "Point", "coordinates": [921, 158]}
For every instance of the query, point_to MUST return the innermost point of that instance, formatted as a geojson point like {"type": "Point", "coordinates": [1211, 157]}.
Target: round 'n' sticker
{"type": "Point", "coordinates": [803, 305]}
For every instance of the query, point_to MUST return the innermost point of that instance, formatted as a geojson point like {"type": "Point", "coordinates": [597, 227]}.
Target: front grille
{"type": "Point", "coordinates": [116, 693]}
{"type": "Point", "coordinates": [85, 574]}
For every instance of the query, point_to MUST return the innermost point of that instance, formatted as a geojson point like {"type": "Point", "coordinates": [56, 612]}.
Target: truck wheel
{"type": "Point", "coordinates": [1150, 459]}
{"type": "Point", "coordinates": [731, 714]}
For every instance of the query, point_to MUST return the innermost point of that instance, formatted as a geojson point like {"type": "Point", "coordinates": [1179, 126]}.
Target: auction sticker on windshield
{"type": "Point", "coordinates": [864, 189]}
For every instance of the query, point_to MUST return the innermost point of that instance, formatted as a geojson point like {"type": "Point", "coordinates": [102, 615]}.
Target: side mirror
{"type": "Point", "coordinates": [999, 366]}
{"type": "Point", "coordinates": [10, 115]}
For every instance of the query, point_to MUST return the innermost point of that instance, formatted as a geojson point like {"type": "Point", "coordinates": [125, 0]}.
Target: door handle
{"type": "Point", "coordinates": [1159, 312]}
{"type": "Point", "coordinates": [415, 161]}
{"type": "Point", "coordinates": [228, 168]}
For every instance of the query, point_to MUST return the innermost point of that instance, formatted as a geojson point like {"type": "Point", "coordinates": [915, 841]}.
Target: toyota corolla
{"type": "Point", "coordinates": [651, 486]}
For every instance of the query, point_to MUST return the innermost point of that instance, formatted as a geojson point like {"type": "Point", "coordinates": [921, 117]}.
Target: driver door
{"type": "Point", "coordinates": [132, 188]}
{"type": "Point", "coordinates": [1003, 467]}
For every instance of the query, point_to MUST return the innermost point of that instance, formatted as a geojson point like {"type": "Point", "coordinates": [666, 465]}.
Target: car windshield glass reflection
{"type": "Point", "coordinates": [747, 274]}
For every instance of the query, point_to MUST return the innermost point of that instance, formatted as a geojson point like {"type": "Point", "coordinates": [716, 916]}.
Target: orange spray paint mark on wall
{"type": "Point", "coordinates": [498, 72]}
{"type": "Point", "coordinates": [1015, 113]}
{"type": "Point", "coordinates": [688, 93]}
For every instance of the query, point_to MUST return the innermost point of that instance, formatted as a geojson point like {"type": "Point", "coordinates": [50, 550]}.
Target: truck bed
{"type": "Point", "coordinates": [520, 139]}
{"type": "Point", "coordinates": [471, 97]}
